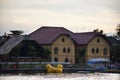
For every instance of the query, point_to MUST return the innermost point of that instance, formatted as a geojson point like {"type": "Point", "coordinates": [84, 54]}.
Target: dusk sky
{"type": "Point", "coordinates": [75, 15]}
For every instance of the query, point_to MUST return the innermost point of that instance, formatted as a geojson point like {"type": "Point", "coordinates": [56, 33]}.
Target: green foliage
{"type": "Point", "coordinates": [115, 49]}
{"type": "Point", "coordinates": [16, 32]}
{"type": "Point", "coordinates": [114, 53]}
{"type": "Point", "coordinates": [32, 51]}
{"type": "Point", "coordinates": [83, 51]}
{"type": "Point", "coordinates": [98, 31]}
{"type": "Point", "coordinates": [81, 55]}
{"type": "Point", "coordinates": [118, 31]}
{"type": "Point", "coordinates": [47, 54]}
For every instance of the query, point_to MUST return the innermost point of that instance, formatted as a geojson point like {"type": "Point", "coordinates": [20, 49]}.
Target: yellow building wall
{"type": "Point", "coordinates": [100, 45]}
{"type": "Point", "coordinates": [68, 43]}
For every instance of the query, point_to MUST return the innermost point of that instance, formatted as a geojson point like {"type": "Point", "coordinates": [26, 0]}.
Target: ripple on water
{"type": "Point", "coordinates": [65, 76]}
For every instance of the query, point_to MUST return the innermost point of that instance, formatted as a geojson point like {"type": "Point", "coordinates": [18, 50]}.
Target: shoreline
{"type": "Point", "coordinates": [43, 70]}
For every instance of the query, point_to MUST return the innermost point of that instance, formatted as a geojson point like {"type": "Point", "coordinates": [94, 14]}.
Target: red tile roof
{"type": "Point", "coordinates": [47, 34]}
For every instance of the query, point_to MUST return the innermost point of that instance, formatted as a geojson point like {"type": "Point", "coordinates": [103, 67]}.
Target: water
{"type": "Point", "coordinates": [65, 76]}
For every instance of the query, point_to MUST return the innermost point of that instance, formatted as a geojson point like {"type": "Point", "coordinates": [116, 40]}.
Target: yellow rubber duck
{"type": "Point", "coordinates": [51, 69]}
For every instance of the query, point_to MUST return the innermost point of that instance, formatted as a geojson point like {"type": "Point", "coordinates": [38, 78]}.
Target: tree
{"type": "Point", "coordinates": [32, 52]}
{"type": "Point", "coordinates": [47, 55]}
{"type": "Point", "coordinates": [114, 53]}
{"type": "Point", "coordinates": [118, 32]}
{"type": "Point", "coordinates": [81, 55]}
{"type": "Point", "coordinates": [115, 49]}
{"type": "Point", "coordinates": [16, 32]}
{"type": "Point", "coordinates": [98, 31]}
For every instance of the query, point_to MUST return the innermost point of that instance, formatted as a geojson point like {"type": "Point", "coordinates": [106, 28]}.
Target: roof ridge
{"type": "Point", "coordinates": [60, 27]}
{"type": "Point", "coordinates": [51, 27]}
{"type": "Point", "coordinates": [85, 32]}
{"type": "Point", "coordinates": [44, 33]}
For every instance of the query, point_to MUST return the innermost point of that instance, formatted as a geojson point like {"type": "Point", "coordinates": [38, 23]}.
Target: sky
{"type": "Point", "coordinates": [75, 15]}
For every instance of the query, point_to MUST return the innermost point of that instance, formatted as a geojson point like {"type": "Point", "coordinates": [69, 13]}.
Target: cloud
{"type": "Point", "coordinates": [76, 15]}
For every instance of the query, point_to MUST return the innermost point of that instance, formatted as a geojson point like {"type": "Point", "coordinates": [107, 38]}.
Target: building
{"type": "Point", "coordinates": [19, 48]}
{"type": "Point", "coordinates": [114, 49]}
{"type": "Point", "coordinates": [91, 45]}
{"type": "Point", "coordinates": [58, 41]}
{"type": "Point", "coordinates": [113, 40]}
{"type": "Point", "coordinates": [67, 46]}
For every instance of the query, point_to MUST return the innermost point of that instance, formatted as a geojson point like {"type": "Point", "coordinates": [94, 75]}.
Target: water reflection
{"type": "Point", "coordinates": [65, 76]}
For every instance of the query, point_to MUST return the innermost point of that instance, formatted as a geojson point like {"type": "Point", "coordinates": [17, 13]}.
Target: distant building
{"type": "Point", "coordinates": [20, 48]}
{"type": "Point", "coordinates": [113, 41]}
{"type": "Point", "coordinates": [114, 49]}
{"type": "Point", "coordinates": [67, 46]}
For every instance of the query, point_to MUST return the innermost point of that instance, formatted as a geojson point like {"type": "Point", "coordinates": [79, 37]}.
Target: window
{"type": "Point", "coordinates": [63, 40]}
{"type": "Point", "coordinates": [105, 51]}
{"type": "Point", "coordinates": [56, 59]}
{"type": "Point", "coordinates": [66, 60]}
{"type": "Point", "coordinates": [98, 40]}
{"type": "Point", "coordinates": [64, 50]}
{"type": "Point", "coordinates": [97, 50]}
{"type": "Point", "coordinates": [56, 50]}
{"type": "Point", "coordinates": [93, 50]}
{"type": "Point", "coordinates": [68, 50]}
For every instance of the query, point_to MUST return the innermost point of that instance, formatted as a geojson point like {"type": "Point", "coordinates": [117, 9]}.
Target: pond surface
{"type": "Point", "coordinates": [64, 76]}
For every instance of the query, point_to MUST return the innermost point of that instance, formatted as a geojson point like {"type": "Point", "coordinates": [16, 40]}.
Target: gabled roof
{"type": "Point", "coordinates": [83, 38]}
{"type": "Point", "coordinates": [11, 43]}
{"type": "Point", "coordinates": [113, 40]}
{"type": "Point", "coordinates": [86, 37]}
{"type": "Point", "coordinates": [47, 34]}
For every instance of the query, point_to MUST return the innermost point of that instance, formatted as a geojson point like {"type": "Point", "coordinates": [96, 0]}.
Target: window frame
{"type": "Point", "coordinates": [56, 50]}
{"type": "Point", "coordinates": [97, 50]}
{"type": "Point", "coordinates": [64, 50]}
{"type": "Point", "coordinates": [98, 40]}
{"type": "Point", "coordinates": [63, 39]}
{"type": "Point", "coordinates": [105, 51]}
{"type": "Point", "coordinates": [68, 50]}
{"type": "Point", "coordinates": [93, 50]}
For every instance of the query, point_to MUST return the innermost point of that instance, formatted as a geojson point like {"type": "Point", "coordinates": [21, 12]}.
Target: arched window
{"type": "Point", "coordinates": [63, 40]}
{"type": "Point", "coordinates": [93, 50]}
{"type": "Point", "coordinates": [97, 50]}
{"type": "Point", "coordinates": [105, 51]}
{"type": "Point", "coordinates": [98, 40]}
{"type": "Point", "coordinates": [66, 60]}
{"type": "Point", "coordinates": [68, 50]}
{"type": "Point", "coordinates": [56, 59]}
{"type": "Point", "coordinates": [64, 50]}
{"type": "Point", "coordinates": [56, 50]}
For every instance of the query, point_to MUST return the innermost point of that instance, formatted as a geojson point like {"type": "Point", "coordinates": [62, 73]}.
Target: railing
{"type": "Point", "coordinates": [34, 62]}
